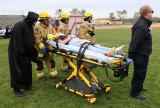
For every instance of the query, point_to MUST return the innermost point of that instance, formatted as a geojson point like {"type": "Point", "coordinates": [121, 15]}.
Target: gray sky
{"type": "Point", "coordinates": [99, 8]}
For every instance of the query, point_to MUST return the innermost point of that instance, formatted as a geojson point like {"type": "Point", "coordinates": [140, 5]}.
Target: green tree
{"type": "Point", "coordinates": [58, 12]}
{"type": "Point", "coordinates": [136, 15]}
{"type": "Point", "coordinates": [74, 11]}
{"type": "Point", "coordinates": [82, 11]}
{"type": "Point", "coordinates": [111, 15]}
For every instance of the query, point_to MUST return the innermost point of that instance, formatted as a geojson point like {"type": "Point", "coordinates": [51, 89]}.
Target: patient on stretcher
{"type": "Point", "coordinates": [75, 41]}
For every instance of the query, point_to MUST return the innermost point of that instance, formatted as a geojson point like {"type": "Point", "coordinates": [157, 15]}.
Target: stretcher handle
{"type": "Point", "coordinates": [124, 66]}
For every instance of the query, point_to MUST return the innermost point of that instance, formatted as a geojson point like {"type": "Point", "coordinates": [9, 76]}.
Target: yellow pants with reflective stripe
{"type": "Point", "coordinates": [52, 71]}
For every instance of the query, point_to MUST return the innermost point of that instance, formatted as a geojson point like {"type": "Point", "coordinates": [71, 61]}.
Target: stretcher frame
{"type": "Point", "coordinates": [79, 72]}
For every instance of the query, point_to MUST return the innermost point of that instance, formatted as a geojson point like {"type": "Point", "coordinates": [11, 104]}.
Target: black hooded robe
{"type": "Point", "coordinates": [20, 50]}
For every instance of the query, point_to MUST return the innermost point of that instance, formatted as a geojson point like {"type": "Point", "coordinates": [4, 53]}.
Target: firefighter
{"type": "Point", "coordinates": [41, 31]}
{"type": "Point", "coordinates": [86, 30]}
{"type": "Point", "coordinates": [64, 29]}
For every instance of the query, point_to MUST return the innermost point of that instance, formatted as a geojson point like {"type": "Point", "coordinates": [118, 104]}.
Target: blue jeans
{"type": "Point", "coordinates": [96, 48]}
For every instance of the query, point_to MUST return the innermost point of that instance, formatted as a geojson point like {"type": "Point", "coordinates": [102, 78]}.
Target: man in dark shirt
{"type": "Point", "coordinates": [20, 51]}
{"type": "Point", "coordinates": [139, 50]}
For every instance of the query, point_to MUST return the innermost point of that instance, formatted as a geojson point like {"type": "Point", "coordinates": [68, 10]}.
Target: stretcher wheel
{"type": "Point", "coordinates": [91, 100]}
{"type": "Point", "coordinates": [58, 85]}
{"type": "Point", "coordinates": [107, 89]}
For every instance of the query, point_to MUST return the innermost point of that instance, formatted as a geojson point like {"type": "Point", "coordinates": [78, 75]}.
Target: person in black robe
{"type": "Point", "coordinates": [20, 52]}
{"type": "Point", "coordinates": [7, 32]}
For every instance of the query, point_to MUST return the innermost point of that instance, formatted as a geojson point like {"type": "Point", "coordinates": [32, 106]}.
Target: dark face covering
{"type": "Point", "coordinates": [31, 18]}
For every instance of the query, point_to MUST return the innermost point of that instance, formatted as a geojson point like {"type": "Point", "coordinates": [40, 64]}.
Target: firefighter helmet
{"type": "Point", "coordinates": [64, 15]}
{"type": "Point", "coordinates": [87, 14]}
{"type": "Point", "coordinates": [43, 15]}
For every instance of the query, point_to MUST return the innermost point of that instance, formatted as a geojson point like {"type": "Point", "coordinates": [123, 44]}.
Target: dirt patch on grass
{"type": "Point", "coordinates": [121, 27]}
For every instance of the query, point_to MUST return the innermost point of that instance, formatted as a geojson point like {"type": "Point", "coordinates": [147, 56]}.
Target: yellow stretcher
{"type": "Point", "coordinates": [90, 86]}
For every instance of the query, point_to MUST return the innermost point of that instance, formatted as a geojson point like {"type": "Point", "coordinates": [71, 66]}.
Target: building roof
{"type": "Point", "coordinates": [10, 19]}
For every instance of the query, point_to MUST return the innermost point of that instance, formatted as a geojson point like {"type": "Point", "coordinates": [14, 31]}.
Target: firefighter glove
{"type": "Point", "coordinates": [91, 33]}
{"type": "Point", "coordinates": [129, 60]}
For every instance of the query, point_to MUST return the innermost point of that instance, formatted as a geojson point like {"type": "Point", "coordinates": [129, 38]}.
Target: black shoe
{"type": "Point", "coordinates": [18, 93]}
{"type": "Point", "coordinates": [42, 79]}
{"type": "Point", "coordinates": [140, 97]}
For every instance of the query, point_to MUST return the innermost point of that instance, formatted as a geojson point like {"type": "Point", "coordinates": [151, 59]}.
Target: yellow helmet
{"type": "Point", "coordinates": [87, 14]}
{"type": "Point", "coordinates": [64, 15]}
{"type": "Point", "coordinates": [43, 15]}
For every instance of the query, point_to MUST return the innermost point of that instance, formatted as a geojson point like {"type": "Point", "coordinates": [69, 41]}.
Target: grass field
{"type": "Point", "coordinates": [46, 96]}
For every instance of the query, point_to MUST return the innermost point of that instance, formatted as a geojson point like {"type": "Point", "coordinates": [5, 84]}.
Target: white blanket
{"type": "Point", "coordinates": [101, 58]}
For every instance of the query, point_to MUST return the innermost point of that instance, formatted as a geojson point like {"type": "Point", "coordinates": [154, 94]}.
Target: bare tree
{"type": "Point", "coordinates": [58, 12]}
{"type": "Point", "coordinates": [121, 14]}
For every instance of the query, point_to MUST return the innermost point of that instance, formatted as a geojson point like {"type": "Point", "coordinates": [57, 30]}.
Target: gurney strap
{"type": "Point", "coordinates": [81, 52]}
{"type": "Point", "coordinates": [85, 46]}
{"type": "Point", "coordinates": [57, 44]}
